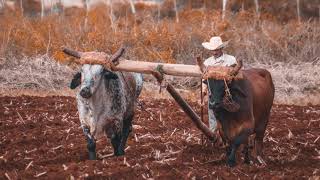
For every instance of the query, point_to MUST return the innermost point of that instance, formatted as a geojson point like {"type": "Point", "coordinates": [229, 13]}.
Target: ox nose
{"type": "Point", "coordinates": [85, 92]}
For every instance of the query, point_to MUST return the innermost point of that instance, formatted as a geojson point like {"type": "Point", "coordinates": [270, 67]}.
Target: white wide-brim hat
{"type": "Point", "coordinates": [215, 43]}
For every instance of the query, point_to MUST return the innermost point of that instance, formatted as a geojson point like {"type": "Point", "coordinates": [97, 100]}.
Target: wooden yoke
{"type": "Point", "coordinates": [115, 63]}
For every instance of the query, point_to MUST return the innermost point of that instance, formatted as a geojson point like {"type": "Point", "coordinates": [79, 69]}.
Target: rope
{"type": "Point", "coordinates": [227, 91]}
{"type": "Point", "coordinates": [228, 96]}
{"type": "Point", "coordinates": [125, 81]}
{"type": "Point", "coordinates": [160, 70]}
{"type": "Point", "coordinates": [201, 97]}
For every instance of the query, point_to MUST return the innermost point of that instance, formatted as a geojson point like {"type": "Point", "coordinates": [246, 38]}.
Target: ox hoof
{"type": "Point", "coordinates": [246, 161]}
{"type": "Point", "coordinates": [119, 153]}
{"type": "Point", "coordinates": [92, 156]}
{"type": "Point", "coordinates": [231, 163]}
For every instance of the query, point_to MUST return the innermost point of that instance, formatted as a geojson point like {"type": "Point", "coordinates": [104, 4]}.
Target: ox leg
{"type": "Point", "coordinates": [127, 128]}
{"type": "Point", "coordinates": [91, 143]}
{"type": "Point", "coordinates": [245, 152]}
{"type": "Point", "coordinates": [243, 137]}
{"type": "Point", "coordinates": [115, 141]}
{"type": "Point", "coordinates": [259, 138]}
{"type": "Point", "coordinates": [259, 144]}
{"type": "Point", "coordinates": [228, 151]}
{"type": "Point", "coordinates": [231, 161]}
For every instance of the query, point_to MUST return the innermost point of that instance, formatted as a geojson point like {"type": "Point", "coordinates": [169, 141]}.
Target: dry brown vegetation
{"type": "Point", "coordinates": [290, 50]}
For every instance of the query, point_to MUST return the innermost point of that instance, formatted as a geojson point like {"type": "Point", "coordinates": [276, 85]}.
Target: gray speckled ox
{"type": "Point", "coordinates": [106, 103]}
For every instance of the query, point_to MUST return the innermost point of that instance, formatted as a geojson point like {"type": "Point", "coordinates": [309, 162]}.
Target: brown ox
{"type": "Point", "coordinates": [255, 94]}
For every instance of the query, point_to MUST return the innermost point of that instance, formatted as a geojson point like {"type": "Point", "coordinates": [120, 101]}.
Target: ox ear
{"type": "Point", "coordinates": [76, 80]}
{"type": "Point", "coordinates": [109, 75]}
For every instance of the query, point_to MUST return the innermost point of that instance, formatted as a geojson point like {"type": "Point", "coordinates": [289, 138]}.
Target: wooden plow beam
{"type": "Point", "coordinates": [115, 63]}
{"type": "Point", "coordinates": [186, 107]}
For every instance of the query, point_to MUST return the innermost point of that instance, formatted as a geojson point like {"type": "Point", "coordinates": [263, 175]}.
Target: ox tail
{"type": "Point", "coordinates": [267, 75]}
{"type": "Point", "coordinates": [139, 83]}
{"type": "Point", "coordinates": [268, 78]}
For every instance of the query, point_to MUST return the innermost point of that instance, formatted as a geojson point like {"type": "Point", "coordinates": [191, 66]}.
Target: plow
{"type": "Point", "coordinates": [158, 70]}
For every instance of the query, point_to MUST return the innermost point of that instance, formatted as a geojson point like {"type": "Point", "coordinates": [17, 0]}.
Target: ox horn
{"type": "Point", "coordinates": [235, 70]}
{"type": "Point", "coordinates": [72, 53]}
{"type": "Point", "coordinates": [238, 66]}
{"type": "Point", "coordinates": [115, 57]}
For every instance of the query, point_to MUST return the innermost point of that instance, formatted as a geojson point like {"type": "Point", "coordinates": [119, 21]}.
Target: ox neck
{"type": "Point", "coordinates": [108, 90]}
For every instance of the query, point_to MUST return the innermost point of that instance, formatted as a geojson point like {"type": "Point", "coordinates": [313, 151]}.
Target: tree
{"type": "Point", "coordinates": [224, 6]}
{"type": "Point", "coordinates": [42, 8]}
{"type": "Point", "coordinates": [21, 6]}
{"type": "Point", "coordinates": [86, 2]}
{"type": "Point", "coordinates": [133, 9]}
{"type": "Point", "coordinates": [176, 10]}
{"type": "Point", "coordinates": [256, 2]}
{"type": "Point", "coordinates": [298, 9]}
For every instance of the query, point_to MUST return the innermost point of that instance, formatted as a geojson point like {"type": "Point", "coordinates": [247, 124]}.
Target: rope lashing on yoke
{"type": "Point", "coordinates": [159, 70]}
{"type": "Point", "coordinates": [109, 62]}
{"type": "Point", "coordinates": [89, 58]}
{"type": "Point", "coordinates": [222, 72]}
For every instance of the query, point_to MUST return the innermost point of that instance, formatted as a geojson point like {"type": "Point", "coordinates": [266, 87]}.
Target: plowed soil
{"type": "Point", "coordinates": [41, 137]}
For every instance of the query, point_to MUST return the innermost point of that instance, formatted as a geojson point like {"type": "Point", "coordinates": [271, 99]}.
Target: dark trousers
{"type": "Point", "coordinates": [217, 88]}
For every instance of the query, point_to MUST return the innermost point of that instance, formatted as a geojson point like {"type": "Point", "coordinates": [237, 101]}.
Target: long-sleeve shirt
{"type": "Point", "coordinates": [224, 60]}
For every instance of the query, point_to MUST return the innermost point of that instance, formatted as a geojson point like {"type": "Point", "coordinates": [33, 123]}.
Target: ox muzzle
{"type": "Point", "coordinates": [85, 92]}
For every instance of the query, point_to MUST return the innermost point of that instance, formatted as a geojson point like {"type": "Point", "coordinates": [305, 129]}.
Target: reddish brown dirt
{"type": "Point", "coordinates": [42, 137]}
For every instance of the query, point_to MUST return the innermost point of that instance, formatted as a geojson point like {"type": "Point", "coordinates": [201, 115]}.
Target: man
{"type": "Point", "coordinates": [217, 87]}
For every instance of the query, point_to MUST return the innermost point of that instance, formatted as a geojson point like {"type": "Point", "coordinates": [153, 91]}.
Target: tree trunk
{"type": "Point", "coordinates": [21, 7]}
{"type": "Point", "coordinates": [298, 9]}
{"type": "Point", "coordinates": [256, 2]}
{"type": "Point", "coordinates": [176, 10]}
{"type": "Point", "coordinates": [224, 7]}
{"type": "Point", "coordinates": [111, 16]}
{"type": "Point", "coordinates": [52, 6]}
{"type": "Point", "coordinates": [133, 9]}
{"type": "Point", "coordinates": [42, 9]}
{"type": "Point", "coordinates": [87, 14]}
